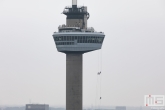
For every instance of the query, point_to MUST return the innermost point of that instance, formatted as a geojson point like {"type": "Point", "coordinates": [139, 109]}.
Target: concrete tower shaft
{"type": "Point", "coordinates": [74, 63]}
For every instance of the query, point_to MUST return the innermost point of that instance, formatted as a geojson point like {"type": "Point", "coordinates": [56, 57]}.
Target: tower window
{"type": "Point", "coordinates": [72, 38]}
{"type": "Point", "coordinates": [64, 38]}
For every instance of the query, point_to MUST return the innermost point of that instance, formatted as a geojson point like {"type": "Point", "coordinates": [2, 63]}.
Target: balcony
{"type": "Point", "coordinates": [65, 28]}
{"type": "Point", "coordinates": [78, 10]}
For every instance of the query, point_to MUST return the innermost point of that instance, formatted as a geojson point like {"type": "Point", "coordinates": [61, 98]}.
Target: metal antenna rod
{"type": "Point", "coordinates": [74, 2]}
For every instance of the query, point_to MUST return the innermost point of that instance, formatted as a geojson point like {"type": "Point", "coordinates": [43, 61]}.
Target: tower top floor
{"type": "Point", "coordinates": [75, 36]}
{"type": "Point", "coordinates": [76, 16]}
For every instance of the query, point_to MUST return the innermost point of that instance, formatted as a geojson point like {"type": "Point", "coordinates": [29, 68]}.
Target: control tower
{"type": "Point", "coordinates": [74, 39]}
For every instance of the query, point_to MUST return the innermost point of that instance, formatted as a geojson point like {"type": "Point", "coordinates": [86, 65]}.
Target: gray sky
{"type": "Point", "coordinates": [133, 54]}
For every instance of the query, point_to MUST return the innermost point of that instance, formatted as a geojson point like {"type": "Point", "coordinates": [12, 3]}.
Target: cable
{"type": "Point", "coordinates": [98, 81]}
{"type": "Point", "coordinates": [100, 77]}
{"type": "Point", "coordinates": [96, 92]}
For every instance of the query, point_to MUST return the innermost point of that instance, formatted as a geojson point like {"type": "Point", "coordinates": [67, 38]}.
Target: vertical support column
{"type": "Point", "coordinates": [74, 63]}
{"type": "Point", "coordinates": [85, 18]}
{"type": "Point", "coordinates": [74, 2]}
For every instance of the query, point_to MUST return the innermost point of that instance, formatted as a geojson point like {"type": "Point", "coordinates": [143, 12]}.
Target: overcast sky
{"type": "Point", "coordinates": [133, 52]}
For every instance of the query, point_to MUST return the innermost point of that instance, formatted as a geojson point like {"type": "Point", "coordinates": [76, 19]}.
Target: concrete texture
{"type": "Point", "coordinates": [74, 63]}
{"type": "Point", "coordinates": [74, 22]}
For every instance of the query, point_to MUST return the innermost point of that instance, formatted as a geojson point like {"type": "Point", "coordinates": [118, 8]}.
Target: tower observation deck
{"type": "Point", "coordinates": [74, 39]}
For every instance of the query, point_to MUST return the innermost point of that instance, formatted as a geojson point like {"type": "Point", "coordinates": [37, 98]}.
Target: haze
{"type": "Point", "coordinates": [133, 52]}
